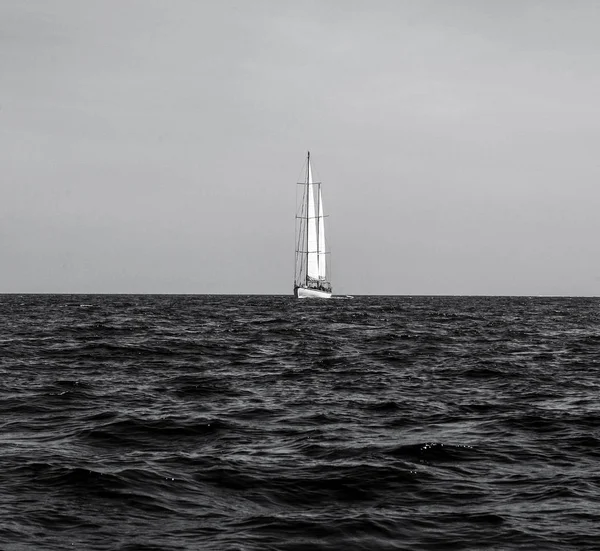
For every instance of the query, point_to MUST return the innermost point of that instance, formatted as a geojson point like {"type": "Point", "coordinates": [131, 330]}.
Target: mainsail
{"type": "Point", "coordinates": [321, 256]}
{"type": "Point", "coordinates": [317, 263]}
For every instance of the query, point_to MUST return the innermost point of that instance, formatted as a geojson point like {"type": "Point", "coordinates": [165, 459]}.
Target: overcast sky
{"type": "Point", "coordinates": [154, 145]}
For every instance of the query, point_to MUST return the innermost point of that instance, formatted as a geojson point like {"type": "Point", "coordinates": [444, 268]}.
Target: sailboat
{"type": "Point", "coordinates": [312, 278]}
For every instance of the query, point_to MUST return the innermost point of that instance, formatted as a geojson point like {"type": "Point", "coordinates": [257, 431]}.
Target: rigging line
{"type": "Point", "coordinates": [299, 255]}
{"type": "Point", "coordinates": [310, 252]}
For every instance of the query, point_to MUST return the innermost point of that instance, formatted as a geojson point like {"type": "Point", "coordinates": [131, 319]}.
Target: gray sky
{"type": "Point", "coordinates": [154, 145]}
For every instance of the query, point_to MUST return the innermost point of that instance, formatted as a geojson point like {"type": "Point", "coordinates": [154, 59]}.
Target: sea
{"type": "Point", "coordinates": [204, 422]}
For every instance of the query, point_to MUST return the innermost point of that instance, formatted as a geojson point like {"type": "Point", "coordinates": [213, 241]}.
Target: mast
{"type": "Point", "coordinates": [306, 226]}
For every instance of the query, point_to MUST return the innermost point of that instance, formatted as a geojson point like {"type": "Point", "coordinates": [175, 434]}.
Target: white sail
{"type": "Point", "coordinates": [322, 257]}
{"type": "Point", "coordinates": [312, 227]}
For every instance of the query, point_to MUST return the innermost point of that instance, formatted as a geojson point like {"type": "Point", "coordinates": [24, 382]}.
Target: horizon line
{"type": "Point", "coordinates": [417, 295]}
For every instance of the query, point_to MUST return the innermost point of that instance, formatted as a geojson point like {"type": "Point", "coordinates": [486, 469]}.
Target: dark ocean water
{"type": "Point", "coordinates": [266, 423]}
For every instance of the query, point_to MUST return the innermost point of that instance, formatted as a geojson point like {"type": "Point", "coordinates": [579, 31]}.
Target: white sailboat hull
{"type": "Point", "coordinates": [302, 292]}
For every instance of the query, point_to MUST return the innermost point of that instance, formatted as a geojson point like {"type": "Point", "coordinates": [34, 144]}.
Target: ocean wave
{"type": "Point", "coordinates": [191, 422]}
